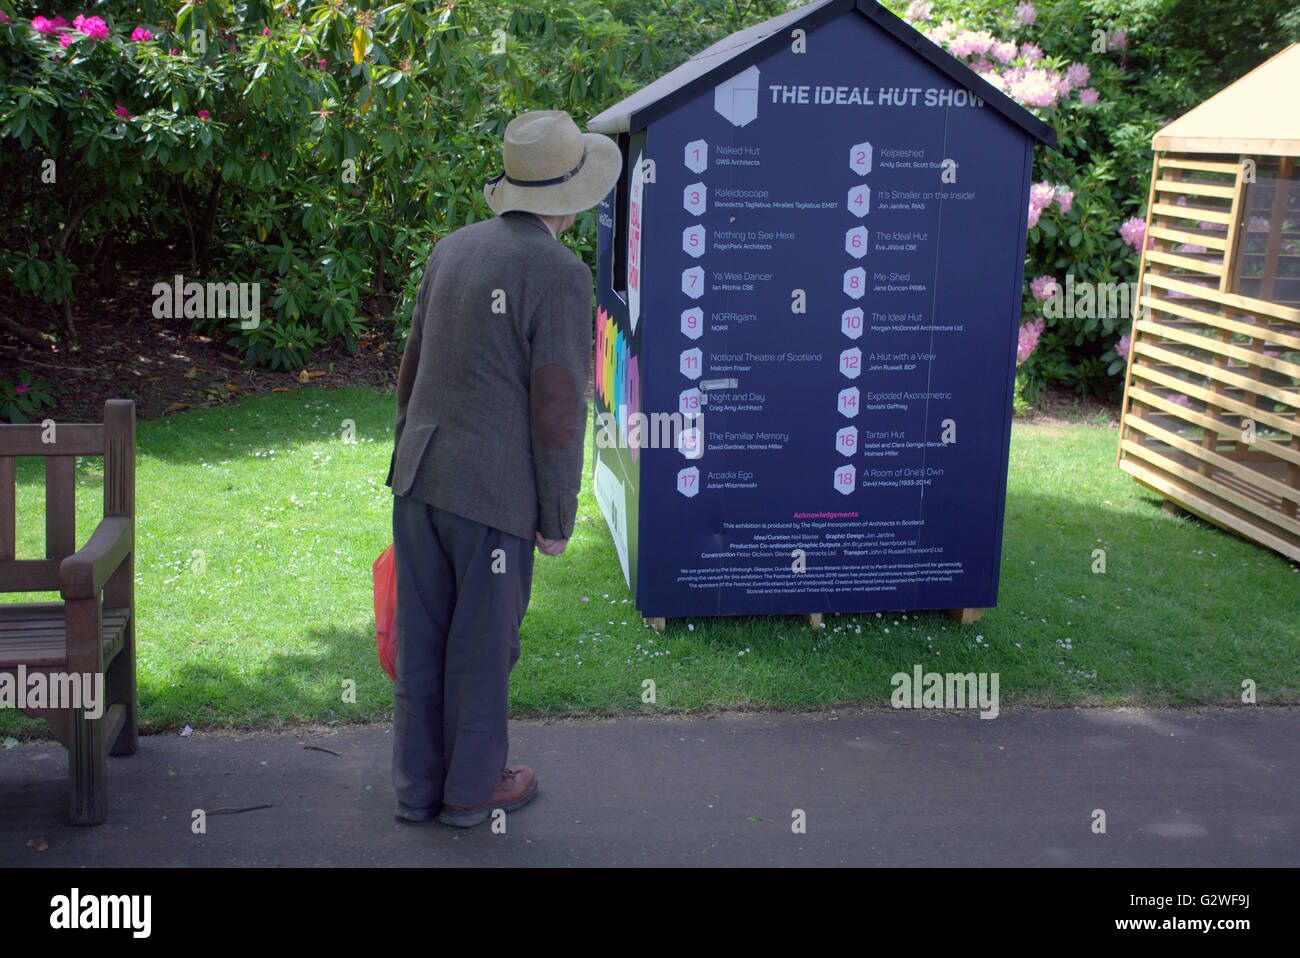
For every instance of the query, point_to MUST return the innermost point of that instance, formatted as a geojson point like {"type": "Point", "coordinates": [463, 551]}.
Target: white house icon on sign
{"type": "Point", "coordinates": [737, 98]}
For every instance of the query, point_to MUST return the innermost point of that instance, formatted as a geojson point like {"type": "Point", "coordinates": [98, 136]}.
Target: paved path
{"type": "Point", "coordinates": [1192, 788]}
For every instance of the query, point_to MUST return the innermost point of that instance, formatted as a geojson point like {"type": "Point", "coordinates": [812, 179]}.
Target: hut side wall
{"type": "Point", "coordinates": [1212, 393]}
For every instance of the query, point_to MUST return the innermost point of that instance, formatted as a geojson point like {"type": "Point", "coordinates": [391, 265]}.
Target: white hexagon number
{"type": "Point", "coordinates": [859, 200]}
{"type": "Point", "coordinates": [690, 443]}
{"type": "Point", "coordinates": [856, 240]}
{"type": "Point", "coordinates": [696, 198]}
{"type": "Point", "coordinates": [848, 402]}
{"type": "Point", "coordinates": [691, 360]}
{"type": "Point", "coordinates": [851, 323]}
{"type": "Point", "coordinates": [855, 282]}
{"type": "Point", "coordinates": [697, 156]}
{"type": "Point", "coordinates": [846, 441]}
{"type": "Point", "coordinates": [851, 362]}
{"type": "Point", "coordinates": [693, 241]}
{"type": "Point", "coordinates": [693, 323]}
{"type": "Point", "coordinates": [860, 159]}
{"type": "Point", "coordinates": [688, 481]}
{"type": "Point", "coordinates": [846, 477]}
{"type": "Point", "coordinates": [688, 403]}
{"type": "Point", "coordinates": [693, 282]}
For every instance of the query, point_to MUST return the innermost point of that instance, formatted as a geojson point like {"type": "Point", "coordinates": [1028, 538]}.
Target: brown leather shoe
{"type": "Point", "coordinates": [517, 788]}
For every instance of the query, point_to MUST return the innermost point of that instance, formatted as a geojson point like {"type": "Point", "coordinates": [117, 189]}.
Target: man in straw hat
{"type": "Point", "coordinates": [491, 417]}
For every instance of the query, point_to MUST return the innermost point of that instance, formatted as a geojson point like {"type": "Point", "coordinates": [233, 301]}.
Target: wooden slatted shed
{"type": "Point", "coordinates": [1212, 393]}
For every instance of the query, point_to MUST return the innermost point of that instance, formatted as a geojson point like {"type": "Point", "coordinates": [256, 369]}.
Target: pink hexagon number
{"type": "Point", "coordinates": [860, 159]}
{"type": "Point", "coordinates": [688, 403]}
{"type": "Point", "coordinates": [697, 156]}
{"type": "Point", "coordinates": [693, 282]}
{"type": "Point", "coordinates": [848, 402]}
{"type": "Point", "coordinates": [696, 198]}
{"type": "Point", "coordinates": [856, 241]}
{"type": "Point", "coordinates": [690, 443]}
{"type": "Point", "coordinates": [693, 323]}
{"type": "Point", "coordinates": [688, 482]}
{"type": "Point", "coordinates": [846, 477]}
{"type": "Point", "coordinates": [851, 323]}
{"type": "Point", "coordinates": [693, 240]}
{"type": "Point", "coordinates": [846, 441]}
{"type": "Point", "coordinates": [691, 360]}
{"type": "Point", "coordinates": [855, 282]}
{"type": "Point", "coordinates": [851, 362]}
{"type": "Point", "coordinates": [859, 200]}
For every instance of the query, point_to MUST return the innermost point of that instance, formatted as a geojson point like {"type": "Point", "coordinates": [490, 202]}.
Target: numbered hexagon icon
{"type": "Point", "coordinates": [688, 403]}
{"type": "Point", "coordinates": [846, 477]}
{"type": "Point", "coordinates": [693, 323]}
{"type": "Point", "coordinates": [690, 443]}
{"type": "Point", "coordinates": [846, 441]}
{"type": "Point", "coordinates": [851, 362]}
{"type": "Point", "coordinates": [855, 282]}
{"type": "Point", "coordinates": [697, 156]}
{"type": "Point", "coordinates": [859, 200]}
{"type": "Point", "coordinates": [693, 282]}
{"type": "Point", "coordinates": [856, 240]}
{"type": "Point", "coordinates": [693, 240]}
{"type": "Point", "coordinates": [690, 362]}
{"type": "Point", "coordinates": [860, 159]}
{"type": "Point", "coordinates": [848, 402]}
{"type": "Point", "coordinates": [696, 198]}
{"type": "Point", "coordinates": [688, 481]}
{"type": "Point", "coordinates": [851, 323]}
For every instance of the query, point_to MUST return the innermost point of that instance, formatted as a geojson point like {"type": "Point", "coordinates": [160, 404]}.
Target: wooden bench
{"type": "Point", "coordinates": [92, 630]}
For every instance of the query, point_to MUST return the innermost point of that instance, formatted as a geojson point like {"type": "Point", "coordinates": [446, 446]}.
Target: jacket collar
{"type": "Point", "coordinates": [532, 218]}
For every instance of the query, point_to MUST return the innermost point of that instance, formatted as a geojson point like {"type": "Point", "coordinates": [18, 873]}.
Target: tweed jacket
{"type": "Point", "coordinates": [491, 411]}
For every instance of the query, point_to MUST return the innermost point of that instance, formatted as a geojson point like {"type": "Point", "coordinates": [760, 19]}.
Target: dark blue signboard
{"type": "Point", "coordinates": [809, 294]}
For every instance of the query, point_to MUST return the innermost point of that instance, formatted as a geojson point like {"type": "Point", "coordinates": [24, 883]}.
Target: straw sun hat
{"type": "Point", "coordinates": [551, 167]}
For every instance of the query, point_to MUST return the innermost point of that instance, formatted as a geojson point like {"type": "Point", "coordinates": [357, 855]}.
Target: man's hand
{"type": "Point", "coordinates": [550, 547]}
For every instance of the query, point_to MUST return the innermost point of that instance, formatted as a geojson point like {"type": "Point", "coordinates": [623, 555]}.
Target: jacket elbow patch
{"type": "Point", "coordinates": [554, 403]}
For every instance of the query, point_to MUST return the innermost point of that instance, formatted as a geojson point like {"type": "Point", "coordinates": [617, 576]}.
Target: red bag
{"type": "Point", "coordinates": [385, 574]}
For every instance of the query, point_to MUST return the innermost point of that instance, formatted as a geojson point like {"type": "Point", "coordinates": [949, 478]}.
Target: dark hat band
{"type": "Point", "coordinates": [553, 181]}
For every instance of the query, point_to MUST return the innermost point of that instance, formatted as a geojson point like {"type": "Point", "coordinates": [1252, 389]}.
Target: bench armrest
{"type": "Point", "coordinates": [82, 575]}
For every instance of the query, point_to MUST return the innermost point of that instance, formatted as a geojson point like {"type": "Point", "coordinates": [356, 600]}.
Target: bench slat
{"type": "Point", "coordinates": [50, 647]}
{"type": "Point", "coordinates": [60, 507]}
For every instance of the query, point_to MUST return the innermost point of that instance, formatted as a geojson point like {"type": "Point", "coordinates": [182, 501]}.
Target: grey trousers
{"type": "Point", "coordinates": [462, 591]}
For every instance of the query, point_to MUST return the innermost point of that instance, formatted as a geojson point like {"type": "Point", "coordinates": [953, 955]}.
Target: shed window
{"type": "Point", "coordinates": [1268, 248]}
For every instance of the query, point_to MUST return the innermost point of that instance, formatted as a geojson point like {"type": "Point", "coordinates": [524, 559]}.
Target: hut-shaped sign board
{"type": "Point", "coordinates": [809, 293]}
{"type": "Point", "coordinates": [1211, 397]}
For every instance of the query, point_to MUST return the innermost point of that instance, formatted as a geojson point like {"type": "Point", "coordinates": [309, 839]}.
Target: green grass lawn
{"type": "Point", "coordinates": [258, 525]}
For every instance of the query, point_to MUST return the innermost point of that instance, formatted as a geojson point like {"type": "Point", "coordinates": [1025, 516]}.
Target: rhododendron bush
{"type": "Point", "coordinates": [315, 148]}
{"type": "Point", "coordinates": [1106, 74]}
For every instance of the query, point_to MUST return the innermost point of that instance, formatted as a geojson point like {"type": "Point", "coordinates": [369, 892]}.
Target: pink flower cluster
{"type": "Point", "coordinates": [1013, 69]}
{"type": "Point", "coordinates": [1028, 339]}
{"type": "Point", "coordinates": [1122, 347]}
{"type": "Point", "coordinates": [918, 10]}
{"type": "Point", "coordinates": [1025, 16]}
{"type": "Point", "coordinates": [1044, 288]}
{"type": "Point", "coordinates": [1132, 231]}
{"type": "Point", "coordinates": [93, 27]}
{"type": "Point", "coordinates": [1042, 195]}
{"type": "Point", "coordinates": [140, 34]}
